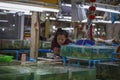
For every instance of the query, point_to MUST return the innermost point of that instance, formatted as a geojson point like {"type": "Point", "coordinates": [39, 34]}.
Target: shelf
{"type": "Point", "coordinates": [3, 20]}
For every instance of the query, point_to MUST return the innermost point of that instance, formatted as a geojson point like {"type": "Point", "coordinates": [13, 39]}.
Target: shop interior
{"type": "Point", "coordinates": [28, 30]}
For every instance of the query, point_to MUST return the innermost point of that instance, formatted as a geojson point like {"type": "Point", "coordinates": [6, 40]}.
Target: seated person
{"type": "Point", "coordinates": [60, 38]}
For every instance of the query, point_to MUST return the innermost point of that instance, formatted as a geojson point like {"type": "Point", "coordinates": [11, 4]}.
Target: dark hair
{"type": "Point", "coordinates": [60, 32]}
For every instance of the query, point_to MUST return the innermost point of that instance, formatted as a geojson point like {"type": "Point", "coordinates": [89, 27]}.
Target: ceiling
{"type": "Point", "coordinates": [105, 5]}
{"type": "Point", "coordinates": [101, 3]}
{"type": "Point", "coordinates": [67, 10]}
{"type": "Point", "coordinates": [113, 2]}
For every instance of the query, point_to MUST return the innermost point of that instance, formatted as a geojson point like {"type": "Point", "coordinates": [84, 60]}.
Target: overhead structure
{"type": "Point", "coordinates": [101, 9]}
{"type": "Point", "coordinates": [30, 5]}
{"type": "Point", "coordinates": [104, 7]}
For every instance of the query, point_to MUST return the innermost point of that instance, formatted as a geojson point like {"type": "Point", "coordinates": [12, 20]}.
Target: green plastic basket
{"type": "Point", "coordinates": [4, 58]}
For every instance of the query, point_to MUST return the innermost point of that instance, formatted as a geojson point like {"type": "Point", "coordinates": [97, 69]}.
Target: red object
{"type": "Point", "coordinates": [92, 0]}
{"type": "Point", "coordinates": [92, 8]}
{"type": "Point", "coordinates": [91, 17]}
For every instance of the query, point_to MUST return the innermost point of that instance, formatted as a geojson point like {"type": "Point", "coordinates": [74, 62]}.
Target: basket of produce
{"type": "Point", "coordinates": [5, 58]}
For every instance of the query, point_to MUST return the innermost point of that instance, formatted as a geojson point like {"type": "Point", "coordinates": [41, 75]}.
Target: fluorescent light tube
{"type": "Point", "coordinates": [102, 9]}
{"type": "Point", "coordinates": [97, 8]}
{"type": "Point", "coordinates": [21, 7]}
{"type": "Point", "coordinates": [99, 21]}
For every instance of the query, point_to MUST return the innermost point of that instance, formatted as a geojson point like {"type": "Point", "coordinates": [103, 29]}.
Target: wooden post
{"type": "Point", "coordinates": [47, 28]}
{"type": "Point", "coordinates": [75, 30]}
{"type": "Point", "coordinates": [34, 36]}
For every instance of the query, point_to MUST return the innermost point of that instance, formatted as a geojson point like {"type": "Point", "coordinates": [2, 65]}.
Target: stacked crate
{"type": "Point", "coordinates": [81, 73]}
{"type": "Point", "coordinates": [108, 70]}
{"type": "Point", "coordinates": [46, 73]}
{"type": "Point", "coordinates": [12, 44]}
{"type": "Point", "coordinates": [52, 74]}
{"type": "Point", "coordinates": [87, 52]}
{"type": "Point", "coordinates": [22, 44]}
{"type": "Point", "coordinates": [90, 54]}
{"type": "Point", "coordinates": [13, 73]}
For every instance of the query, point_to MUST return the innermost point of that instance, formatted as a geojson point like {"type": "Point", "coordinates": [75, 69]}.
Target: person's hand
{"type": "Point", "coordinates": [56, 50]}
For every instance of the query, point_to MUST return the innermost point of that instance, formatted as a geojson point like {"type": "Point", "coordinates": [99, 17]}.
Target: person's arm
{"type": "Point", "coordinates": [68, 41]}
{"type": "Point", "coordinates": [118, 49]}
{"type": "Point", "coordinates": [54, 48]}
